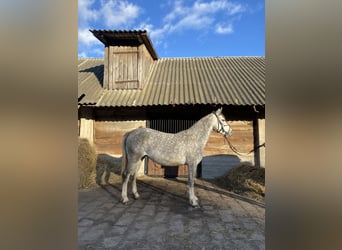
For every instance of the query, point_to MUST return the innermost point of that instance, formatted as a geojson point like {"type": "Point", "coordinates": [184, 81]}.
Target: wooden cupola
{"type": "Point", "coordinates": [127, 58]}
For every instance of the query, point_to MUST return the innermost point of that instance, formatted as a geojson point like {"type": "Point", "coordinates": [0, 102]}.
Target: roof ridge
{"type": "Point", "coordinates": [195, 57]}
{"type": "Point", "coordinates": [209, 57]}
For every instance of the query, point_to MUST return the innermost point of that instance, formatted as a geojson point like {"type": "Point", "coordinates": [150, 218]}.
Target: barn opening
{"type": "Point", "coordinates": [170, 126]}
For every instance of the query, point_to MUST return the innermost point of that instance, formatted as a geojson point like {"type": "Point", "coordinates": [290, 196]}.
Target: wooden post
{"type": "Point", "coordinates": [261, 132]}
{"type": "Point", "coordinates": [259, 138]}
{"type": "Point", "coordinates": [87, 124]}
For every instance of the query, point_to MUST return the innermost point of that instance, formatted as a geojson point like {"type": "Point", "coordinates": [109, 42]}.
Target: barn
{"type": "Point", "coordinates": [132, 87]}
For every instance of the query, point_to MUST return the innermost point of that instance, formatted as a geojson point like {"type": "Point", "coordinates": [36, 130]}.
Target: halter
{"type": "Point", "coordinates": [222, 126]}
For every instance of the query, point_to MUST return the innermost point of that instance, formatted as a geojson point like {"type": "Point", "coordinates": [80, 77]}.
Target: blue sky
{"type": "Point", "coordinates": [178, 28]}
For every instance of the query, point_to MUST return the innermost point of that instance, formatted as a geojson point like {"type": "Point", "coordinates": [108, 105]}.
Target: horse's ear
{"type": "Point", "coordinates": [219, 111]}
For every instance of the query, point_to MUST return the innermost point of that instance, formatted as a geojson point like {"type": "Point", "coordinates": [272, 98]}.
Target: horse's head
{"type": "Point", "coordinates": [221, 125]}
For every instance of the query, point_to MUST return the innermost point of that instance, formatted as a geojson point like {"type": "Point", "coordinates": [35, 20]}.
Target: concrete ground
{"type": "Point", "coordinates": [163, 219]}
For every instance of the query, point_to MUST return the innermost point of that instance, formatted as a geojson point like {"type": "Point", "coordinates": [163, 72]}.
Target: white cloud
{"type": "Point", "coordinates": [193, 21]}
{"type": "Point", "coordinates": [156, 34]}
{"type": "Point", "coordinates": [224, 29]}
{"type": "Point", "coordinates": [86, 38]}
{"type": "Point", "coordinates": [112, 13]}
{"type": "Point", "coordinates": [117, 13]}
{"type": "Point", "coordinates": [209, 7]}
{"type": "Point", "coordinates": [85, 12]}
{"type": "Point", "coordinates": [178, 10]}
{"type": "Point", "coordinates": [145, 26]}
{"type": "Point", "coordinates": [200, 14]}
{"type": "Point", "coordinates": [235, 9]}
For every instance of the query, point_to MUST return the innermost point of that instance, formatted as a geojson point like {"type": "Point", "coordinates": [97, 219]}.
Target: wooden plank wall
{"type": "Point", "coordinates": [144, 63]}
{"type": "Point", "coordinates": [124, 61]}
{"type": "Point", "coordinates": [126, 67]}
{"type": "Point", "coordinates": [108, 135]}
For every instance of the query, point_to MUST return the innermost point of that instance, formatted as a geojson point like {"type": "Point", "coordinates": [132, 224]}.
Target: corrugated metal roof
{"type": "Point", "coordinates": [172, 81]}
{"type": "Point", "coordinates": [90, 80]}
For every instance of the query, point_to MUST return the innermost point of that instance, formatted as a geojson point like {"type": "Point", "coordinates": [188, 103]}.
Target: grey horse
{"type": "Point", "coordinates": [185, 147]}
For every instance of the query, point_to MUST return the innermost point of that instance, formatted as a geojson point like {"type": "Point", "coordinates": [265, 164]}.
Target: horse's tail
{"type": "Point", "coordinates": [124, 154]}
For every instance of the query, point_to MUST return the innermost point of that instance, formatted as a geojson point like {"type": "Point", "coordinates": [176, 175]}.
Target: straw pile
{"type": "Point", "coordinates": [86, 163]}
{"type": "Point", "coordinates": [245, 180]}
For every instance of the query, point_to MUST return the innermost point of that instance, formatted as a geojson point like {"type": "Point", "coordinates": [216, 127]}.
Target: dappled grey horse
{"type": "Point", "coordinates": [185, 147]}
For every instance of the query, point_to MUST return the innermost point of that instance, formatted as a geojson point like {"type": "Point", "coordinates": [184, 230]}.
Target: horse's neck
{"type": "Point", "coordinates": [202, 129]}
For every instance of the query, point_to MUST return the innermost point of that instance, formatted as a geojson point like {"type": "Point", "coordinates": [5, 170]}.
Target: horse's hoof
{"type": "Point", "coordinates": [136, 196]}
{"type": "Point", "coordinates": [124, 201]}
{"type": "Point", "coordinates": [194, 203]}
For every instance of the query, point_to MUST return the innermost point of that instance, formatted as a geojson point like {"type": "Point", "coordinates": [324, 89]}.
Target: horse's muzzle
{"type": "Point", "coordinates": [229, 133]}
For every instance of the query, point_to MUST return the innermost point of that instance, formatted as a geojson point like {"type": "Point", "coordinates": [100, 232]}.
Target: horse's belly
{"type": "Point", "coordinates": [165, 149]}
{"type": "Point", "coordinates": [168, 159]}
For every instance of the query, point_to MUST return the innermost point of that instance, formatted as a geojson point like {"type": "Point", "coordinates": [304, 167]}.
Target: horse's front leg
{"type": "Point", "coordinates": [125, 179]}
{"type": "Point", "coordinates": [191, 182]}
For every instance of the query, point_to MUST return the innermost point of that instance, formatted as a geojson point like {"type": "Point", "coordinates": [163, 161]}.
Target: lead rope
{"type": "Point", "coordinates": [231, 145]}
{"type": "Point", "coordinates": [239, 153]}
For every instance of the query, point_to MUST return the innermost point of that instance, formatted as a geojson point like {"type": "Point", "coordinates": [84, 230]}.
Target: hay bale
{"type": "Point", "coordinates": [86, 163]}
{"type": "Point", "coordinates": [245, 180]}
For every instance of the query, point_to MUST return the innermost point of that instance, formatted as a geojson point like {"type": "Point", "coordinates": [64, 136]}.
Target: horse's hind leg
{"type": "Point", "coordinates": [134, 182]}
{"type": "Point", "coordinates": [134, 187]}
{"type": "Point", "coordinates": [131, 169]}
